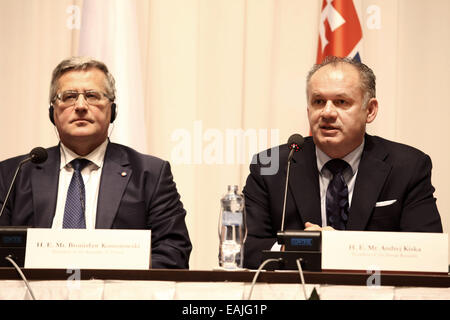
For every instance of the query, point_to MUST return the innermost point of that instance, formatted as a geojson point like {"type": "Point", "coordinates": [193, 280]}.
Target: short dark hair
{"type": "Point", "coordinates": [81, 64]}
{"type": "Point", "coordinates": [368, 79]}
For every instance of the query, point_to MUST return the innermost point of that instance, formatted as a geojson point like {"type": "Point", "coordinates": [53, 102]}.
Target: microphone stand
{"type": "Point", "coordinates": [300, 247]}
{"type": "Point", "coordinates": [12, 184]}
{"type": "Point", "coordinates": [291, 153]}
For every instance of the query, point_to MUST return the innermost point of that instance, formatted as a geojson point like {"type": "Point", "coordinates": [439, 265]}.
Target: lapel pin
{"type": "Point", "coordinates": [123, 174]}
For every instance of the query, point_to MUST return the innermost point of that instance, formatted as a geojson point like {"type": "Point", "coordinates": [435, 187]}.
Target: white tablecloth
{"type": "Point", "coordinates": [170, 290]}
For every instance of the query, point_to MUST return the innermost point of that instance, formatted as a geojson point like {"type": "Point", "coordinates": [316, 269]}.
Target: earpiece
{"type": "Point", "coordinates": [113, 113]}
{"type": "Point", "coordinates": [50, 114]}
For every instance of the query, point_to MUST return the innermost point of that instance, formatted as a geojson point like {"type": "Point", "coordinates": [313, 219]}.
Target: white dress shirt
{"type": "Point", "coordinates": [91, 177]}
{"type": "Point", "coordinates": [325, 176]}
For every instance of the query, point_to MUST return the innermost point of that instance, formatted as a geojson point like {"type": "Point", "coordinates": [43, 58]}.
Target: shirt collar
{"type": "Point", "coordinates": [96, 156]}
{"type": "Point", "coordinates": [353, 158]}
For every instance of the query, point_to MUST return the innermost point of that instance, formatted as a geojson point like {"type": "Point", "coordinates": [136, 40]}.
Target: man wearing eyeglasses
{"type": "Point", "coordinates": [89, 182]}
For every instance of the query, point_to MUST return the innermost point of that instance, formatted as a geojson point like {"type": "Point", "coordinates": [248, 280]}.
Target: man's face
{"type": "Point", "coordinates": [335, 109]}
{"type": "Point", "coordinates": [82, 123]}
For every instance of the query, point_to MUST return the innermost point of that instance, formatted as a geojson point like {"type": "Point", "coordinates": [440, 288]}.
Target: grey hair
{"type": "Point", "coordinates": [368, 79]}
{"type": "Point", "coordinates": [81, 64]}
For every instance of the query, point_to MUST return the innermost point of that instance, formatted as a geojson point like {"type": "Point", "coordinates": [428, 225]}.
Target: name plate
{"type": "Point", "coordinates": [88, 249]}
{"type": "Point", "coordinates": [385, 251]}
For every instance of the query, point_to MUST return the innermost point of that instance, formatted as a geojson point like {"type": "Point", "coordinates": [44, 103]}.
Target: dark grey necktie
{"type": "Point", "coordinates": [75, 201]}
{"type": "Point", "coordinates": [337, 204]}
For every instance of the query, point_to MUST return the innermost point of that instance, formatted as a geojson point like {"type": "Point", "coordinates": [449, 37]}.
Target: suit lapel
{"type": "Point", "coordinates": [304, 183]}
{"type": "Point", "coordinates": [115, 176]}
{"type": "Point", "coordinates": [44, 183]}
{"type": "Point", "coordinates": [372, 174]}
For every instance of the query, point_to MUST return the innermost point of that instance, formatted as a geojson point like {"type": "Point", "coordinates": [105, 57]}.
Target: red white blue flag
{"type": "Point", "coordinates": [340, 32]}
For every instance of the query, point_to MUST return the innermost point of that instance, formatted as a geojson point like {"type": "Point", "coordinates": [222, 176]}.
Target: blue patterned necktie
{"type": "Point", "coordinates": [337, 195]}
{"type": "Point", "coordinates": [75, 202]}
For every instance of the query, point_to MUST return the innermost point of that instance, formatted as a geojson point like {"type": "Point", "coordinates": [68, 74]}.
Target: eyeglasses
{"type": "Point", "coordinates": [69, 98]}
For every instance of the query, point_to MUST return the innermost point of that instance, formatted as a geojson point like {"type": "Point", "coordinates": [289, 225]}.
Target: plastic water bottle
{"type": "Point", "coordinates": [232, 229]}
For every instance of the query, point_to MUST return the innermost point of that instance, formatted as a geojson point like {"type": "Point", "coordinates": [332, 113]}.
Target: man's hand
{"type": "Point", "coordinates": [314, 227]}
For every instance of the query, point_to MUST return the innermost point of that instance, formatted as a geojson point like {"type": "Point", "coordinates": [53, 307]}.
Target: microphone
{"type": "Point", "coordinates": [295, 143]}
{"type": "Point", "coordinates": [37, 155]}
{"type": "Point", "coordinates": [302, 249]}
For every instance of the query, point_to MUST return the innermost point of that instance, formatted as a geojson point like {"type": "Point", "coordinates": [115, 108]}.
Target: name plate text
{"type": "Point", "coordinates": [385, 251]}
{"type": "Point", "coordinates": [88, 249]}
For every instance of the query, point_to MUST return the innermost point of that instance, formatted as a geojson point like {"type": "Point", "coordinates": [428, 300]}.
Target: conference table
{"type": "Point", "coordinates": [164, 284]}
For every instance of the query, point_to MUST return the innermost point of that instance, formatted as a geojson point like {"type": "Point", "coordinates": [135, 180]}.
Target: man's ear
{"type": "Point", "coordinates": [372, 110]}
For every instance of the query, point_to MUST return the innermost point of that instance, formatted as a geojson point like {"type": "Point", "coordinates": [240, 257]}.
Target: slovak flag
{"type": "Point", "coordinates": [340, 32]}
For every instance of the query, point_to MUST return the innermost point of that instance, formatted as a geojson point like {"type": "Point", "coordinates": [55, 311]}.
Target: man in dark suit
{"type": "Point", "coordinates": [120, 188]}
{"type": "Point", "coordinates": [384, 186]}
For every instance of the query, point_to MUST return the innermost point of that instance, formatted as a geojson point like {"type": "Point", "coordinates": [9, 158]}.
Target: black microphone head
{"type": "Point", "coordinates": [295, 142]}
{"type": "Point", "coordinates": [38, 155]}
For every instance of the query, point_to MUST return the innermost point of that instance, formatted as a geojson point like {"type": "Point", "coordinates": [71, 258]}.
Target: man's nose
{"type": "Point", "coordinates": [81, 102]}
{"type": "Point", "coordinates": [329, 110]}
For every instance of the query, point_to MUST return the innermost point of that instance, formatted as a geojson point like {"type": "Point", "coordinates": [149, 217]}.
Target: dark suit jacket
{"type": "Point", "coordinates": [387, 171]}
{"type": "Point", "coordinates": [145, 198]}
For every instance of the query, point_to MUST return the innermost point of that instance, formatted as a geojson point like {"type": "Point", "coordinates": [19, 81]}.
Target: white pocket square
{"type": "Point", "coordinates": [385, 203]}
